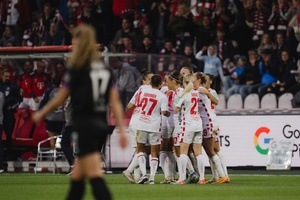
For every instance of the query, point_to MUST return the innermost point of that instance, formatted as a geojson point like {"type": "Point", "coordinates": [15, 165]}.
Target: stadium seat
{"type": "Point", "coordinates": [45, 153]}
{"type": "Point", "coordinates": [235, 102]}
{"type": "Point", "coordinates": [284, 101]}
{"type": "Point", "coordinates": [251, 102]}
{"type": "Point", "coordinates": [268, 102]}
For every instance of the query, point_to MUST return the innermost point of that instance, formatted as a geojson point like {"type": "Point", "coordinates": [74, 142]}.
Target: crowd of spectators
{"type": "Point", "coordinates": [263, 34]}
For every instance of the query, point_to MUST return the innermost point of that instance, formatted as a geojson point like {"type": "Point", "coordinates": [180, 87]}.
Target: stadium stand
{"type": "Point", "coordinates": [252, 102]}
{"type": "Point", "coordinates": [235, 103]}
{"type": "Point", "coordinates": [268, 102]}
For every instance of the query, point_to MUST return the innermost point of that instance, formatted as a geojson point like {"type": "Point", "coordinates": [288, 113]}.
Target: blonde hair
{"type": "Point", "coordinates": [85, 49]}
{"type": "Point", "coordinates": [189, 80]}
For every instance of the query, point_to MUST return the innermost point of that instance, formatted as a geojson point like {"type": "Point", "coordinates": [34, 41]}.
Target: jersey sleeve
{"type": "Point", "coordinates": [180, 101]}
{"type": "Point", "coordinates": [164, 103]}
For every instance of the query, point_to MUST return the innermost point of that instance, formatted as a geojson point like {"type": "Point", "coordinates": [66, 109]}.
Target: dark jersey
{"type": "Point", "coordinates": [89, 88]}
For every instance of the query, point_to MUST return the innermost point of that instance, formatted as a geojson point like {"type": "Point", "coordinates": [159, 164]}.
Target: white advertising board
{"type": "Point", "coordinates": [244, 140]}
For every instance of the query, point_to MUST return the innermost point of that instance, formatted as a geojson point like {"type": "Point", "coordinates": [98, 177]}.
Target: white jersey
{"type": "Point", "coordinates": [153, 102]}
{"type": "Point", "coordinates": [136, 101]}
{"type": "Point", "coordinates": [168, 121]}
{"type": "Point", "coordinates": [177, 117]}
{"type": "Point", "coordinates": [207, 114]}
{"type": "Point", "coordinates": [191, 121]}
{"type": "Point", "coordinates": [215, 94]}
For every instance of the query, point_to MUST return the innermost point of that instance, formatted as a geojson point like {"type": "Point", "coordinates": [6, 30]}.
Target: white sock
{"type": "Point", "coordinates": [153, 168]}
{"type": "Point", "coordinates": [162, 159]}
{"type": "Point", "coordinates": [183, 160]}
{"type": "Point", "coordinates": [167, 171]}
{"type": "Point", "coordinates": [134, 163]}
{"type": "Point", "coordinates": [142, 163]}
{"type": "Point", "coordinates": [214, 172]}
{"type": "Point", "coordinates": [149, 158]}
{"type": "Point", "coordinates": [189, 165]}
{"type": "Point", "coordinates": [201, 166]}
{"type": "Point", "coordinates": [171, 164]}
{"type": "Point", "coordinates": [223, 162]}
{"type": "Point", "coordinates": [217, 163]}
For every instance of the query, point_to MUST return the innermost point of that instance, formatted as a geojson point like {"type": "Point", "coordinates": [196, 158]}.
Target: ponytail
{"type": "Point", "coordinates": [189, 81]}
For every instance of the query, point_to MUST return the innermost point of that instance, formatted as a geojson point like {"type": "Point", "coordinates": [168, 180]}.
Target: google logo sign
{"type": "Point", "coordinates": [257, 134]}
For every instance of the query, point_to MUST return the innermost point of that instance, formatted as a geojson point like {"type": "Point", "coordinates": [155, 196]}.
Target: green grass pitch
{"type": "Point", "coordinates": [248, 186]}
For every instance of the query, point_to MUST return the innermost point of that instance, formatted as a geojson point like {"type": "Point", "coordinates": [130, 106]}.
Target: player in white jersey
{"type": "Point", "coordinates": [191, 126]}
{"type": "Point", "coordinates": [166, 158]}
{"type": "Point", "coordinates": [174, 82]}
{"type": "Point", "coordinates": [135, 104]}
{"type": "Point", "coordinates": [210, 124]}
{"type": "Point", "coordinates": [153, 104]}
{"type": "Point", "coordinates": [213, 96]}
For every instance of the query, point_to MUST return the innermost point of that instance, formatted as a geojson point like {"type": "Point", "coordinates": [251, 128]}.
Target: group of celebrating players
{"type": "Point", "coordinates": [171, 122]}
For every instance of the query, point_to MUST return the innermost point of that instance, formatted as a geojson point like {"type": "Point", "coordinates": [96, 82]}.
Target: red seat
{"type": "Point", "coordinates": [26, 133]}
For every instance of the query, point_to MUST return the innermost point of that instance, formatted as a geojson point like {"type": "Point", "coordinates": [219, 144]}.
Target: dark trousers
{"type": "Point", "coordinates": [8, 127]}
{"type": "Point", "coordinates": [66, 144]}
{"type": "Point", "coordinates": [1, 148]}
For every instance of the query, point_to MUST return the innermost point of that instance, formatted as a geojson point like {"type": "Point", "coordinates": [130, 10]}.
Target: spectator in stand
{"type": "Point", "coordinates": [265, 43]}
{"type": "Point", "coordinates": [53, 37]}
{"type": "Point", "coordinates": [285, 78]}
{"type": "Point", "coordinates": [146, 31]}
{"type": "Point", "coordinates": [269, 73]}
{"type": "Point", "coordinates": [147, 46]}
{"type": "Point", "coordinates": [69, 33]}
{"type": "Point", "coordinates": [60, 70]}
{"type": "Point", "coordinates": [35, 33]}
{"type": "Point", "coordinates": [292, 16]}
{"type": "Point", "coordinates": [166, 63]}
{"type": "Point", "coordinates": [277, 19]}
{"type": "Point", "coordinates": [212, 64]}
{"type": "Point", "coordinates": [159, 19]}
{"type": "Point", "coordinates": [225, 49]}
{"type": "Point", "coordinates": [2, 101]}
{"type": "Point", "coordinates": [127, 45]}
{"type": "Point", "coordinates": [227, 69]}
{"type": "Point", "coordinates": [258, 15]}
{"type": "Point", "coordinates": [25, 83]}
{"type": "Point", "coordinates": [251, 75]}
{"type": "Point", "coordinates": [190, 58]}
{"type": "Point", "coordinates": [127, 79]}
{"type": "Point", "coordinates": [221, 16]}
{"type": "Point", "coordinates": [48, 16]}
{"type": "Point", "coordinates": [40, 83]}
{"type": "Point", "coordinates": [126, 30]}
{"type": "Point", "coordinates": [6, 64]}
{"type": "Point", "coordinates": [13, 98]}
{"type": "Point", "coordinates": [10, 44]}
{"type": "Point", "coordinates": [281, 45]}
{"type": "Point", "coordinates": [236, 77]}
{"type": "Point", "coordinates": [54, 120]}
{"type": "Point", "coordinates": [7, 36]}
{"type": "Point", "coordinates": [205, 34]}
{"type": "Point", "coordinates": [182, 28]}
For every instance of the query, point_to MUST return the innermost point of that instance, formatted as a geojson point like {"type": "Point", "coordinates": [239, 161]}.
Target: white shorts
{"type": "Point", "coordinates": [176, 136]}
{"type": "Point", "coordinates": [132, 131]}
{"type": "Point", "coordinates": [191, 137]}
{"type": "Point", "coordinates": [166, 132]}
{"type": "Point", "coordinates": [144, 136]}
